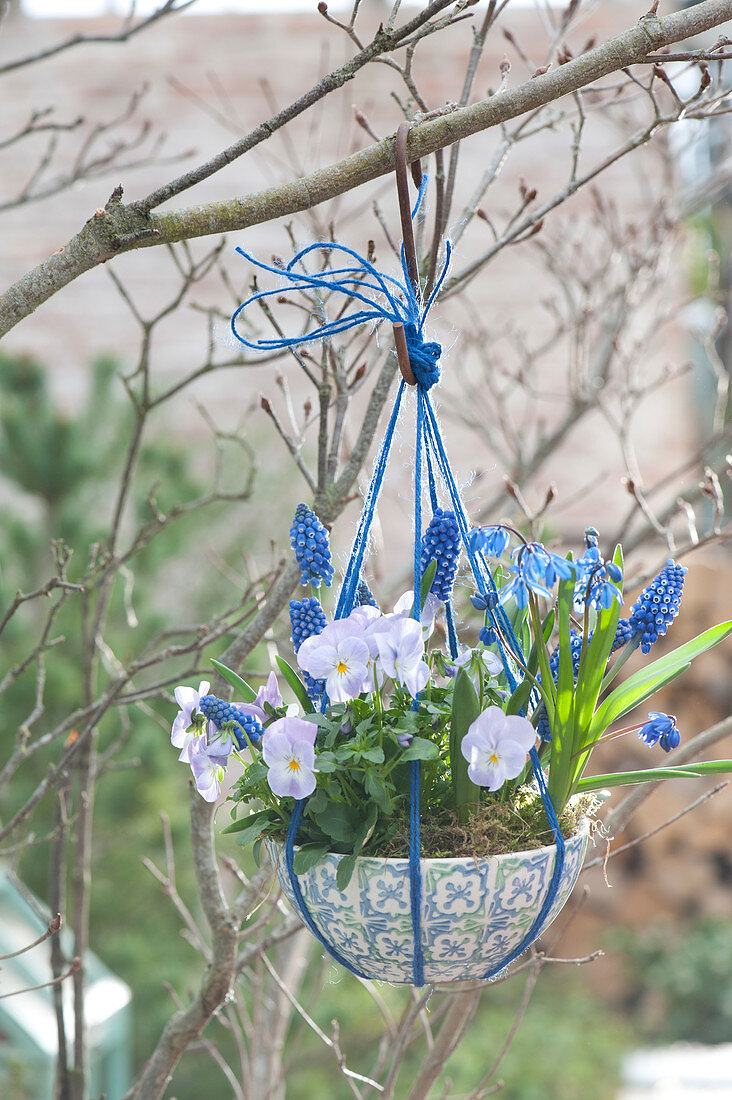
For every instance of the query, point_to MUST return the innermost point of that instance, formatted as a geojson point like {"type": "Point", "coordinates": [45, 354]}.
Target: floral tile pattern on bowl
{"type": "Point", "coordinates": [475, 912]}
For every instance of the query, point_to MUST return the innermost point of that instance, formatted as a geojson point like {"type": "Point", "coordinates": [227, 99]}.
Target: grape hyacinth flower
{"type": "Point", "coordinates": [660, 729]}
{"type": "Point", "coordinates": [307, 619]}
{"type": "Point", "coordinates": [496, 746]}
{"type": "Point", "coordinates": [441, 543]}
{"type": "Point", "coordinates": [233, 718]}
{"type": "Point", "coordinates": [364, 596]}
{"type": "Point", "coordinates": [658, 605]}
{"type": "Point", "coordinates": [309, 540]}
{"type": "Point", "coordinates": [288, 749]}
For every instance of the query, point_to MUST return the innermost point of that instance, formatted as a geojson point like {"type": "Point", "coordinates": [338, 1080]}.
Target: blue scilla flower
{"type": "Point", "coordinates": [660, 729]}
{"type": "Point", "coordinates": [364, 596]}
{"type": "Point", "coordinates": [491, 541]}
{"type": "Point", "coordinates": [658, 604]}
{"type": "Point", "coordinates": [597, 579]}
{"type": "Point", "coordinates": [309, 540]}
{"type": "Point", "coordinates": [487, 635]}
{"type": "Point", "coordinates": [228, 718]}
{"type": "Point", "coordinates": [307, 618]}
{"type": "Point", "coordinates": [441, 543]}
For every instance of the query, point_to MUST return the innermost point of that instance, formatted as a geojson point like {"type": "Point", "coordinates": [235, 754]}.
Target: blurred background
{"type": "Point", "coordinates": [587, 362]}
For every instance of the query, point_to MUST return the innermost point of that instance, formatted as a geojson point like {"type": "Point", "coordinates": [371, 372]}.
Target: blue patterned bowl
{"type": "Point", "coordinates": [475, 912]}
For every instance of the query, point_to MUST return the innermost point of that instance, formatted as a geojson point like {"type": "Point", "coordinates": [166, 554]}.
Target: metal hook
{"type": "Point", "coordinates": [410, 248]}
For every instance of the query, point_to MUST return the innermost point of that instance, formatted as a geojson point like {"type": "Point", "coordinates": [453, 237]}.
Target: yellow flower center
{"type": "Point", "coordinates": [294, 765]}
{"type": "Point", "coordinates": [342, 667]}
{"type": "Point", "coordinates": [493, 758]}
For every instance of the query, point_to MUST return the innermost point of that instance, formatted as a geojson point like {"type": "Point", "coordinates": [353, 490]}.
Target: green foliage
{"type": "Point", "coordinates": [690, 970]}
{"type": "Point", "coordinates": [546, 1060]}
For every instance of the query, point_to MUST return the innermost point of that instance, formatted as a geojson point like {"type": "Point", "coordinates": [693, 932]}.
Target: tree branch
{"type": "Point", "coordinates": [119, 228]}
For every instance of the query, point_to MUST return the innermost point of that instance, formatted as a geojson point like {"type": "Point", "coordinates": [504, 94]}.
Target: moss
{"type": "Point", "coordinates": [493, 828]}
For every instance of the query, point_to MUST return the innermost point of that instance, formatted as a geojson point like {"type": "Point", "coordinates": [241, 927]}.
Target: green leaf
{"type": "Point", "coordinates": [650, 775]}
{"type": "Point", "coordinates": [425, 584]}
{"type": "Point", "coordinates": [421, 749]}
{"type": "Point", "coordinates": [375, 755]}
{"type": "Point", "coordinates": [347, 865]}
{"type": "Point", "coordinates": [296, 684]}
{"type": "Point", "coordinates": [465, 709]}
{"type": "Point", "coordinates": [247, 693]}
{"type": "Point", "coordinates": [307, 857]}
{"type": "Point", "coordinates": [648, 680]}
{"type": "Point", "coordinates": [251, 828]}
{"type": "Point", "coordinates": [376, 789]}
{"type": "Point", "coordinates": [339, 822]}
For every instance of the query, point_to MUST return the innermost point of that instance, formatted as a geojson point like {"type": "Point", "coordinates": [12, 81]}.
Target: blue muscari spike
{"type": "Point", "coordinates": [307, 618]}
{"type": "Point", "coordinates": [441, 543]}
{"type": "Point", "coordinates": [309, 540]}
{"type": "Point", "coordinates": [658, 605]}
{"type": "Point", "coordinates": [228, 717]}
{"type": "Point", "coordinates": [364, 596]}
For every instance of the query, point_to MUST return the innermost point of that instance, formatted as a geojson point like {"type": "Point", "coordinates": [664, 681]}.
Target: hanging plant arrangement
{"type": "Point", "coordinates": [426, 804]}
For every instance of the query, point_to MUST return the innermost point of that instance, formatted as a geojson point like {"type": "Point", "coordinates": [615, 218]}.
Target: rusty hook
{"type": "Point", "coordinates": [410, 248]}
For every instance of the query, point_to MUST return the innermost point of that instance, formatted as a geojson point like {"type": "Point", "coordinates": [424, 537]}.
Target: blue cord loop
{"type": "Point", "coordinates": [373, 297]}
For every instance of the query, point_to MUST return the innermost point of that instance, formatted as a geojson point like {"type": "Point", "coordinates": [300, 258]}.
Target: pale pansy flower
{"type": "Point", "coordinates": [288, 749]}
{"type": "Point", "coordinates": [188, 699]}
{"type": "Point", "coordinates": [433, 605]}
{"type": "Point", "coordinates": [208, 761]}
{"type": "Point", "coordinates": [401, 652]}
{"type": "Point", "coordinates": [496, 746]}
{"type": "Point", "coordinates": [339, 657]}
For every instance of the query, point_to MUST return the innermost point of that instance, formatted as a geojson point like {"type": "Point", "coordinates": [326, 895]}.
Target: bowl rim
{"type": "Point", "coordinates": [580, 833]}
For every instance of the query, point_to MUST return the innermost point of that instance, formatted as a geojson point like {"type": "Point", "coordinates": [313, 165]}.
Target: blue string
{"type": "Point", "coordinates": [349, 587]}
{"type": "Point", "coordinates": [383, 297]}
{"type": "Point", "coordinates": [297, 892]}
{"type": "Point", "coordinates": [551, 895]}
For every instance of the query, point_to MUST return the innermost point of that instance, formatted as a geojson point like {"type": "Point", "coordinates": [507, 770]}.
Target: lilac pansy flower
{"type": "Point", "coordinates": [339, 657]}
{"type": "Point", "coordinates": [208, 761]}
{"type": "Point", "coordinates": [189, 701]}
{"type": "Point", "coordinates": [401, 652]}
{"type": "Point", "coordinates": [496, 746]}
{"type": "Point", "coordinates": [269, 693]}
{"type": "Point", "coordinates": [288, 749]}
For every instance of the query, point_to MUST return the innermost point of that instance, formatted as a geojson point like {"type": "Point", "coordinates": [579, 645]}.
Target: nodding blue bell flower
{"type": "Point", "coordinates": [491, 541]}
{"type": "Point", "coordinates": [309, 540]}
{"type": "Point", "coordinates": [658, 605]}
{"type": "Point", "coordinates": [660, 729]}
{"type": "Point", "coordinates": [441, 543]}
{"type": "Point", "coordinates": [228, 718]}
{"type": "Point", "coordinates": [483, 602]}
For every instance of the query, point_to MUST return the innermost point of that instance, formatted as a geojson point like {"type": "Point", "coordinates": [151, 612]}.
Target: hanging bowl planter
{"type": "Point", "coordinates": [475, 912]}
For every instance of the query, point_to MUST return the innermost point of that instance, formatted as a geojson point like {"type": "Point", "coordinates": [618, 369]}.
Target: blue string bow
{"type": "Point", "coordinates": [385, 298]}
{"type": "Point", "coordinates": [382, 298]}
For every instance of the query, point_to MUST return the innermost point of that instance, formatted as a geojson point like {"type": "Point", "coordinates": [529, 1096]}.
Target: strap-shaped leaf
{"type": "Point", "coordinates": [465, 709]}
{"type": "Point", "coordinates": [650, 775]}
{"type": "Point", "coordinates": [647, 680]}
{"type": "Point", "coordinates": [241, 687]}
{"type": "Point", "coordinates": [296, 684]}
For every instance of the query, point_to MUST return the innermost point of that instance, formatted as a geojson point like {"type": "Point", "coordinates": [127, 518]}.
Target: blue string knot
{"type": "Point", "coordinates": [424, 356]}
